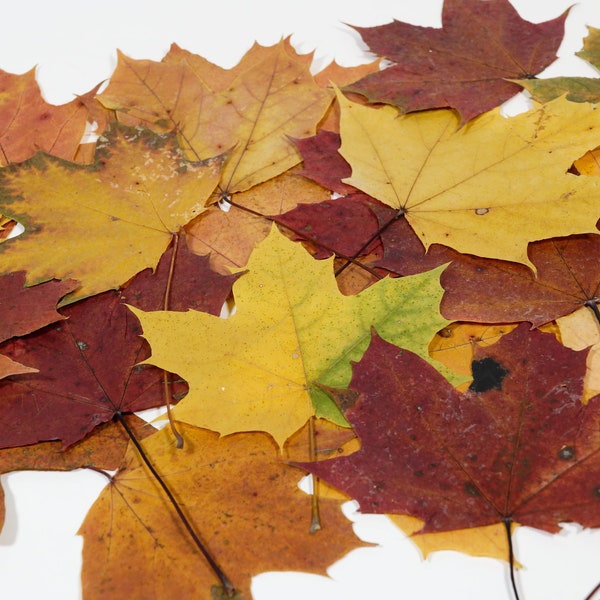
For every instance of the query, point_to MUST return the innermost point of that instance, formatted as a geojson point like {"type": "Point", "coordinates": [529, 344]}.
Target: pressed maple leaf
{"type": "Point", "coordinates": [487, 189]}
{"type": "Point", "coordinates": [87, 363]}
{"type": "Point", "coordinates": [256, 370]}
{"type": "Point", "coordinates": [491, 291]}
{"type": "Point", "coordinates": [272, 97]}
{"type": "Point", "coordinates": [577, 89]}
{"type": "Point", "coordinates": [463, 65]}
{"type": "Point", "coordinates": [26, 309]}
{"type": "Point", "coordinates": [228, 237]}
{"type": "Point", "coordinates": [104, 223]}
{"type": "Point", "coordinates": [580, 330]}
{"type": "Point", "coordinates": [237, 488]}
{"type": "Point", "coordinates": [102, 449]}
{"type": "Point", "coordinates": [29, 124]}
{"type": "Point", "coordinates": [518, 446]}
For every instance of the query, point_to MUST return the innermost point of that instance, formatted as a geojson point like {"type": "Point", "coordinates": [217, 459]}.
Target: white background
{"type": "Point", "coordinates": [73, 43]}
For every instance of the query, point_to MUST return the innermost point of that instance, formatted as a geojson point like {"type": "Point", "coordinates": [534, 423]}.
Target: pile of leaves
{"type": "Point", "coordinates": [415, 281]}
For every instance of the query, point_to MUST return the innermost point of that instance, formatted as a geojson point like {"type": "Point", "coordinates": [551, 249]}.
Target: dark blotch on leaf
{"type": "Point", "coordinates": [471, 489]}
{"type": "Point", "coordinates": [487, 375]}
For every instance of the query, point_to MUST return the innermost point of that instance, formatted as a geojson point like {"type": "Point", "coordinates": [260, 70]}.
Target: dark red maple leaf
{"type": "Point", "coordinates": [87, 364]}
{"type": "Point", "coordinates": [25, 309]}
{"type": "Point", "coordinates": [463, 65]}
{"type": "Point", "coordinates": [495, 291]}
{"type": "Point", "coordinates": [323, 163]}
{"type": "Point", "coordinates": [517, 446]}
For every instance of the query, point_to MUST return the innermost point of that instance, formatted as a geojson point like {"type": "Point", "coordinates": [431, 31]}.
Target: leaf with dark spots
{"type": "Point", "coordinates": [487, 375]}
{"type": "Point", "coordinates": [529, 453]}
{"type": "Point", "coordinates": [88, 363]}
{"type": "Point", "coordinates": [465, 64]}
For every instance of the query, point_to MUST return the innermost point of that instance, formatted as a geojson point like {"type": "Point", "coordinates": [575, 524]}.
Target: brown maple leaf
{"type": "Point", "coordinates": [494, 291]}
{"type": "Point", "coordinates": [29, 124]}
{"type": "Point", "coordinates": [236, 488]}
{"type": "Point", "coordinates": [463, 65]}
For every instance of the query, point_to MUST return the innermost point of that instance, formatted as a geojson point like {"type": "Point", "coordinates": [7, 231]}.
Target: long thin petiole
{"type": "Point", "coordinates": [511, 556]}
{"type": "Point", "coordinates": [369, 241]}
{"type": "Point", "coordinates": [217, 570]}
{"type": "Point", "coordinates": [315, 522]}
{"type": "Point", "coordinates": [591, 595]}
{"type": "Point", "coordinates": [166, 384]}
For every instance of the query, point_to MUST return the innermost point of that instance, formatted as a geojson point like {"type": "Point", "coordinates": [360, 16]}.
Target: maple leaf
{"type": "Point", "coordinates": [518, 446]}
{"type": "Point", "coordinates": [256, 370]}
{"type": "Point", "coordinates": [236, 487]}
{"type": "Point", "coordinates": [465, 64]}
{"type": "Point", "coordinates": [29, 124]}
{"type": "Point", "coordinates": [229, 237]}
{"type": "Point", "coordinates": [577, 89]}
{"type": "Point", "coordinates": [580, 330]}
{"type": "Point", "coordinates": [104, 223]}
{"type": "Point", "coordinates": [271, 98]}
{"type": "Point", "coordinates": [491, 291]}
{"type": "Point", "coordinates": [464, 188]}
{"type": "Point", "coordinates": [26, 309]}
{"type": "Point", "coordinates": [87, 363]}
{"type": "Point", "coordinates": [102, 449]}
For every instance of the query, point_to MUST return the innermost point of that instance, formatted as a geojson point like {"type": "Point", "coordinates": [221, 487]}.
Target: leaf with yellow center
{"type": "Point", "coordinates": [256, 370]}
{"type": "Point", "coordinates": [488, 188]}
{"type": "Point", "coordinates": [104, 223]}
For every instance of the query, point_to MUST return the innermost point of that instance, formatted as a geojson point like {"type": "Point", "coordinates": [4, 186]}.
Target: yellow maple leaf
{"type": "Point", "coordinates": [256, 370]}
{"type": "Point", "coordinates": [104, 223]}
{"type": "Point", "coordinates": [488, 188]}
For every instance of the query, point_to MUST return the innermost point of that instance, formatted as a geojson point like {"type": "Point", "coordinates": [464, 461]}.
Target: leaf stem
{"type": "Point", "coordinates": [511, 556]}
{"type": "Point", "coordinates": [166, 385]}
{"type": "Point", "coordinates": [592, 593]}
{"type": "Point", "coordinates": [592, 304]}
{"type": "Point", "coordinates": [315, 523]}
{"type": "Point", "coordinates": [217, 570]}
{"type": "Point", "coordinates": [273, 219]}
{"type": "Point", "coordinates": [371, 239]}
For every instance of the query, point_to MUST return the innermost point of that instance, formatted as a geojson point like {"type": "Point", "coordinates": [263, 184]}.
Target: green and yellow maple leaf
{"type": "Point", "coordinates": [488, 188]}
{"type": "Point", "coordinates": [292, 328]}
{"type": "Point", "coordinates": [101, 224]}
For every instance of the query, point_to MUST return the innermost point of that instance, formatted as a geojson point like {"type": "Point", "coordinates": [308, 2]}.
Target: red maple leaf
{"type": "Point", "coordinates": [518, 446]}
{"type": "Point", "coordinates": [463, 65]}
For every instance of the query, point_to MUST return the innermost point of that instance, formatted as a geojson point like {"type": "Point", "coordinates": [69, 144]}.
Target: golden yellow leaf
{"type": "Point", "coordinates": [488, 188]}
{"type": "Point", "coordinates": [453, 345]}
{"type": "Point", "coordinates": [256, 370]}
{"type": "Point", "coordinates": [242, 499]}
{"type": "Point", "coordinates": [487, 541]}
{"type": "Point", "coordinates": [104, 223]}
{"type": "Point", "coordinates": [578, 331]}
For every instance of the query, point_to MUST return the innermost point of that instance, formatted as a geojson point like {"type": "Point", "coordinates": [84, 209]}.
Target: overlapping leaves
{"type": "Point", "coordinates": [500, 212]}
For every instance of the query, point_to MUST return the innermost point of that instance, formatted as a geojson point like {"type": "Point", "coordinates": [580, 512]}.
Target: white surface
{"type": "Point", "coordinates": [73, 42]}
